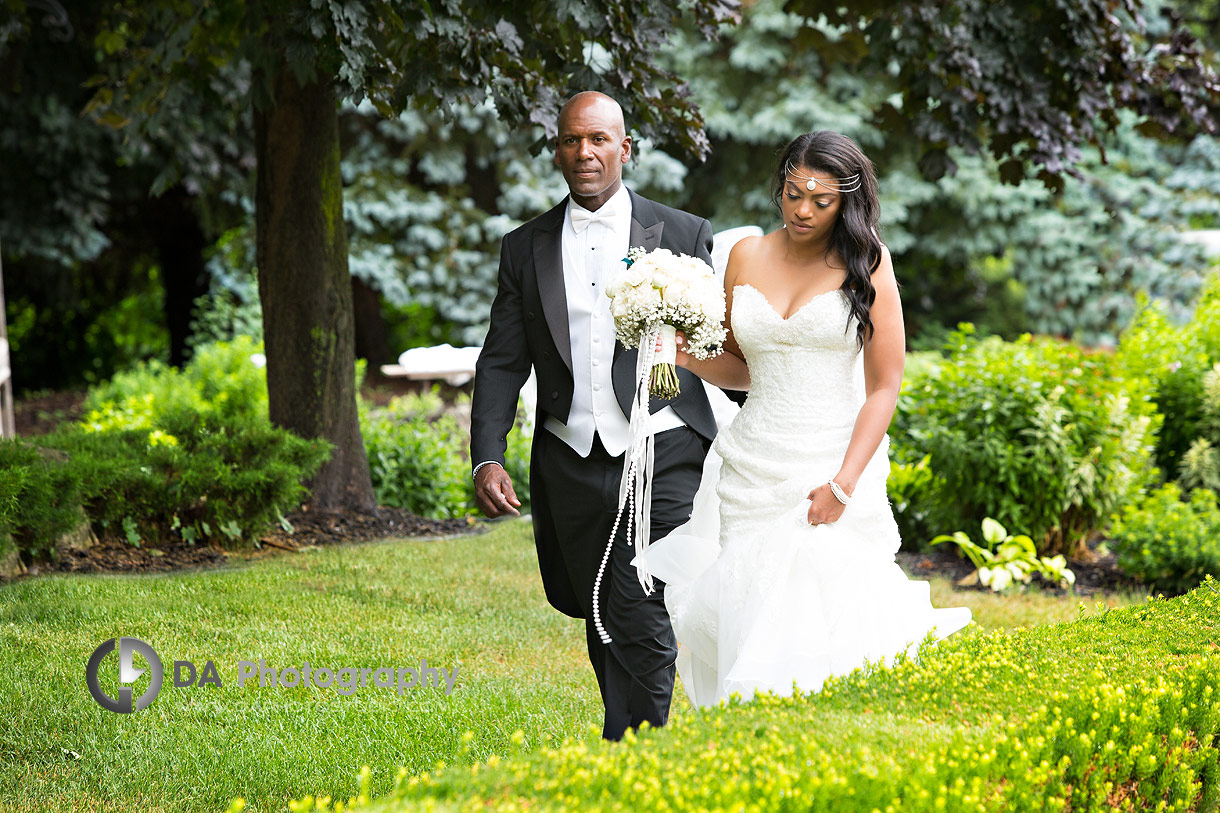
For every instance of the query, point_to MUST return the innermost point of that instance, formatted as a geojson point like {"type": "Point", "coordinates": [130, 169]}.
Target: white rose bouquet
{"type": "Point", "coordinates": [662, 292]}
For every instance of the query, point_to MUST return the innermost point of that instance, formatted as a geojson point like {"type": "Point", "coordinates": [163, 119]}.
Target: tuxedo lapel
{"type": "Point", "coordinates": [548, 267]}
{"type": "Point", "coordinates": [645, 227]}
{"type": "Point", "coordinates": [646, 233]}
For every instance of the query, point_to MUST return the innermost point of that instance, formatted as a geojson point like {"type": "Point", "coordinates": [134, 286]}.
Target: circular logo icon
{"type": "Point", "coordinates": [128, 673]}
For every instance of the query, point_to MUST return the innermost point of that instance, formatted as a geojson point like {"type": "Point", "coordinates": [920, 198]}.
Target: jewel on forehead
{"type": "Point", "coordinates": [849, 184]}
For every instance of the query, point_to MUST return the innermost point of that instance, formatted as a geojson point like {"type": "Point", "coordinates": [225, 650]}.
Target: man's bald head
{"type": "Point", "coordinates": [605, 106]}
{"type": "Point", "coordinates": [591, 147]}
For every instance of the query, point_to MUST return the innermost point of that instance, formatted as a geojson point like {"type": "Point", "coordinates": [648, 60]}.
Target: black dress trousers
{"type": "Point", "coordinates": [578, 497]}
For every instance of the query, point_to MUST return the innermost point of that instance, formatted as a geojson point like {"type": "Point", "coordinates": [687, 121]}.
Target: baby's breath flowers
{"type": "Point", "coordinates": [661, 292]}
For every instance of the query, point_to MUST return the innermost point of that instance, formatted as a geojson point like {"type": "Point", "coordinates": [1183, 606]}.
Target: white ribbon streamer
{"type": "Point", "coordinates": [635, 487]}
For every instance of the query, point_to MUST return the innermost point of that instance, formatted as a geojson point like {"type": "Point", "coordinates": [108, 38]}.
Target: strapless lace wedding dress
{"type": "Point", "coordinates": [759, 599]}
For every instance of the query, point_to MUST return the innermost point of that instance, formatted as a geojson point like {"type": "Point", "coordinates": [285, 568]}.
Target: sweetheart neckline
{"type": "Point", "coordinates": [792, 315]}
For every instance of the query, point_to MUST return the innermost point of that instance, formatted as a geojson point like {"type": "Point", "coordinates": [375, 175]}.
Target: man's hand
{"type": "Point", "coordinates": [493, 491]}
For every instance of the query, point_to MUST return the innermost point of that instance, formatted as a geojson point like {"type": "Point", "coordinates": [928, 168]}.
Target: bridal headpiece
{"type": "Point", "coordinates": [849, 184]}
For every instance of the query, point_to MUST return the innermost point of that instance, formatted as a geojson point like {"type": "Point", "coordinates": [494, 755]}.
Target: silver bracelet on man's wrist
{"type": "Point", "coordinates": [475, 473]}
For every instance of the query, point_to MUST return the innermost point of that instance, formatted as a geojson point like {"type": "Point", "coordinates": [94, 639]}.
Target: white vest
{"type": "Point", "coordinates": [591, 258]}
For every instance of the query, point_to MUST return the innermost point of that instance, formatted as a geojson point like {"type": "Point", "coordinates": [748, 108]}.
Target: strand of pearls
{"type": "Point", "coordinates": [637, 471]}
{"type": "Point", "coordinates": [601, 570]}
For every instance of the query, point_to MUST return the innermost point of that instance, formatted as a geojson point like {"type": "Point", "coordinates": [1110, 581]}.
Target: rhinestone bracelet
{"type": "Point", "coordinates": [838, 491]}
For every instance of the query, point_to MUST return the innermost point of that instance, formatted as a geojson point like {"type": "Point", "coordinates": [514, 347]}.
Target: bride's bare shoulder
{"type": "Point", "coordinates": [746, 254]}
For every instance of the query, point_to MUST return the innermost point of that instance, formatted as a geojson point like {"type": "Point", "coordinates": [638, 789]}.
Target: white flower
{"type": "Point", "coordinates": [674, 289]}
{"type": "Point", "coordinates": [636, 274]}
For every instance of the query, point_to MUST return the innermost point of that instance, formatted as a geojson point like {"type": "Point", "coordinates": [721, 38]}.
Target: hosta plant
{"type": "Point", "coordinates": [1005, 559]}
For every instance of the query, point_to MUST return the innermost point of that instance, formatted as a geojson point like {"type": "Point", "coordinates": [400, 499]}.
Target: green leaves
{"type": "Point", "coordinates": [39, 498]}
{"type": "Point", "coordinates": [1030, 82]}
{"type": "Point", "coordinates": [415, 461]}
{"type": "Point", "coordinates": [1006, 559]}
{"type": "Point", "coordinates": [164, 452]}
{"type": "Point", "coordinates": [430, 56]}
{"type": "Point", "coordinates": [418, 457]}
{"type": "Point", "coordinates": [993, 532]}
{"type": "Point", "coordinates": [1035, 433]}
{"type": "Point", "coordinates": [110, 41]}
{"type": "Point", "coordinates": [911, 488]}
{"type": "Point", "coordinates": [1168, 542]}
{"type": "Point", "coordinates": [1171, 364]}
{"type": "Point", "coordinates": [131, 530]}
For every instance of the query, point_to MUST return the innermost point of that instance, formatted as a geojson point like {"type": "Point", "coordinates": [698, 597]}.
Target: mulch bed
{"type": "Point", "coordinates": [310, 529]}
{"type": "Point", "coordinates": [115, 555]}
{"type": "Point", "coordinates": [352, 526]}
{"type": "Point", "coordinates": [44, 412]}
{"type": "Point", "coordinates": [1097, 575]}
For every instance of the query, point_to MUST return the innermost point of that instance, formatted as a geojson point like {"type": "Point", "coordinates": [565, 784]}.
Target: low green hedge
{"type": "Point", "coordinates": [1168, 542]}
{"type": "Point", "coordinates": [1119, 710]}
{"type": "Point", "coordinates": [225, 481]}
{"type": "Point", "coordinates": [39, 498]}
{"type": "Point", "coordinates": [419, 456]}
{"type": "Point", "coordinates": [162, 453]}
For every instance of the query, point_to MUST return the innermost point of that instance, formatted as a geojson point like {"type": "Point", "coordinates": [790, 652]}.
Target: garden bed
{"type": "Point", "coordinates": [43, 412]}
{"type": "Point", "coordinates": [115, 555]}
{"type": "Point", "coordinates": [1100, 574]}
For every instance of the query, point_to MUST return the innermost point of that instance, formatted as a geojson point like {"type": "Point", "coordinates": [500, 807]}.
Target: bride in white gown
{"type": "Point", "coordinates": [785, 572]}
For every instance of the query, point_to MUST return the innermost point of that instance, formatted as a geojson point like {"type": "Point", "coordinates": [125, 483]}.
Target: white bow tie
{"type": "Point", "coordinates": [581, 218]}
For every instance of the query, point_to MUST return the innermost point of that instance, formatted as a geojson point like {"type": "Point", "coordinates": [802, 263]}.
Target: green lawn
{"type": "Point", "coordinates": [474, 603]}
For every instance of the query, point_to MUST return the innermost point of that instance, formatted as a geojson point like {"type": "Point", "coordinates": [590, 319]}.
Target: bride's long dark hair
{"type": "Point", "coordinates": [855, 236]}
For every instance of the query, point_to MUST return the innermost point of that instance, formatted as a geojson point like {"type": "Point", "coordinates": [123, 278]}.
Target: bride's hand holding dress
{"type": "Point", "coordinates": [884, 356]}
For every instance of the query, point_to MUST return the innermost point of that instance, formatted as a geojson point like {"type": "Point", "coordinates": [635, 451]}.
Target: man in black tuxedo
{"type": "Point", "coordinates": [551, 313]}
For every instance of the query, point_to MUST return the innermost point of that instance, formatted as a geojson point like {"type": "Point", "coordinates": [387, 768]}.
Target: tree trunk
{"type": "Point", "coordinates": [305, 287]}
{"type": "Point", "coordinates": [372, 338]}
{"type": "Point", "coordinates": [180, 246]}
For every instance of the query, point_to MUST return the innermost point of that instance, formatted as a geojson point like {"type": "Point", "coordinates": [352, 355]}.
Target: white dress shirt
{"type": "Point", "coordinates": [591, 258]}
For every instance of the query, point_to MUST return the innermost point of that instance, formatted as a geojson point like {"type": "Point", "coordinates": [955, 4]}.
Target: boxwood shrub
{"type": "Point", "coordinates": [162, 452]}
{"type": "Point", "coordinates": [1119, 710]}
{"type": "Point", "coordinates": [1168, 541]}
{"type": "Point", "coordinates": [224, 481]}
{"type": "Point", "coordinates": [39, 498]}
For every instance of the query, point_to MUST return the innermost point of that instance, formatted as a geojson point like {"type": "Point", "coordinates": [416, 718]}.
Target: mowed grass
{"type": "Point", "coordinates": [474, 603]}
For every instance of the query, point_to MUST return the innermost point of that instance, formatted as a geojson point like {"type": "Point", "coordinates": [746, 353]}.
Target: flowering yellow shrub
{"type": "Point", "coordinates": [1116, 711]}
